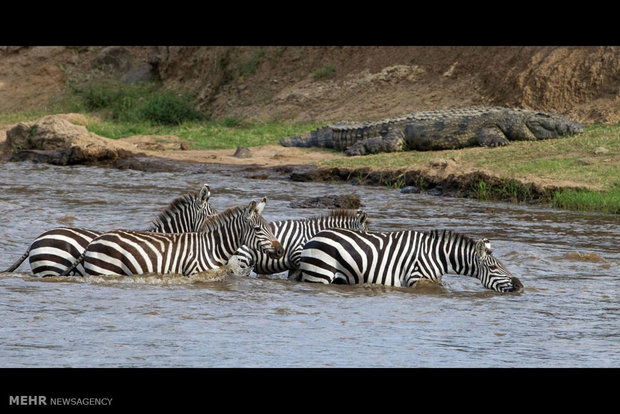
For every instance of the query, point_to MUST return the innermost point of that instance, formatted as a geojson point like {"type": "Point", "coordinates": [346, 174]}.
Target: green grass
{"type": "Point", "coordinates": [216, 134]}
{"type": "Point", "coordinates": [582, 200]}
{"type": "Point", "coordinates": [9, 118]}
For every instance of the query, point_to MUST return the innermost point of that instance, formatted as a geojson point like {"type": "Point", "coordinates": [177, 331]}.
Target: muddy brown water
{"type": "Point", "coordinates": [567, 316]}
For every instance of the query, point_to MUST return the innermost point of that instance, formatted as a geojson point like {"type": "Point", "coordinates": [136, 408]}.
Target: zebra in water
{"type": "Point", "coordinates": [128, 252]}
{"type": "Point", "coordinates": [54, 251]}
{"type": "Point", "coordinates": [401, 258]}
{"type": "Point", "coordinates": [292, 235]}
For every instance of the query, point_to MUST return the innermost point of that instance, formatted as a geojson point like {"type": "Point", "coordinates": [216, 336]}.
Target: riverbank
{"type": "Point", "coordinates": [526, 173]}
{"type": "Point", "coordinates": [575, 173]}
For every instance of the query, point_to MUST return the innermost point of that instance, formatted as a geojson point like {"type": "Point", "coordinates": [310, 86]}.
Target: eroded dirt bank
{"type": "Point", "coordinates": [330, 83]}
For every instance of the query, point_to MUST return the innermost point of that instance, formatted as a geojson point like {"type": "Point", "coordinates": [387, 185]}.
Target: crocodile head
{"type": "Point", "coordinates": [543, 125]}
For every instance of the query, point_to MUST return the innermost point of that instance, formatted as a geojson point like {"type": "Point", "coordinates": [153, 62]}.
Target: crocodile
{"type": "Point", "coordinates": [487, 126]}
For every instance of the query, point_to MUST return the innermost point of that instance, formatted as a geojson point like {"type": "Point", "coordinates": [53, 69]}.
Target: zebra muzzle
{"type": "Point", "coordinates": [516, 283]}
{"type": "Point", "coordinates": [277, 251]}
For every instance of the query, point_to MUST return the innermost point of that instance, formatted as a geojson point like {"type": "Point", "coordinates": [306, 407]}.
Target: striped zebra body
{"type": "Point", "coordinates": [128, 252]}
{"type": "Point", "coordinates": [292, 235]}
{"type": "Point", "coordinates": [54, 251]}
{"type": "Point", "coordinates": [400, 258]}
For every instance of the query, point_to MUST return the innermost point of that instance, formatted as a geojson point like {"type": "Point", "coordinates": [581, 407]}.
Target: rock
{"type": "Point", "coordinates": [436, 191]}
{"type": "Point", "coordinates": [310, 174]}
{"type": "Point", "coordinates": [54, 139]}
{"type": "Point", "coordinates": [410, 189]}
{"type": "Point", "coordinates": [141, 73]}
{"type": "Point", "coordinates": [242, 152]}
{"type": "Point", "coordinates": [350, 201]}
{"type": "Point", "coordinates": [601, 150]}
{"type": "Point", "coordinates": [113, 59]}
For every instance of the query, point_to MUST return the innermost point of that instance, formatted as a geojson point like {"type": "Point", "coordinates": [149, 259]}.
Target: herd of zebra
{"type": "Point", "coordinates": [190, 236]}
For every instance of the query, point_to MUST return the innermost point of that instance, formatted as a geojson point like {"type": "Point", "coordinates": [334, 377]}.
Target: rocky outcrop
{"type": "Point", "coordinates": [56, 139]}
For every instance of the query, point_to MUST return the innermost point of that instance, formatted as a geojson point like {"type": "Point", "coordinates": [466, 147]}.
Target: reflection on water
{"type": "Point", "coordinates": [567, 316]}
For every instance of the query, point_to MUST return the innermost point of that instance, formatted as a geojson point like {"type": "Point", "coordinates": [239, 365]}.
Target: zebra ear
{"type": "Point", "coordinates": [362, 216]}
{"type": "Point", "coordinates": [483, 247]}
{"type": "Point", "coordinates": [205, 193]}
{"type": "Point", "coordinates": [251, 209]}
{"type": "Point", "coordinates": [260, 206]}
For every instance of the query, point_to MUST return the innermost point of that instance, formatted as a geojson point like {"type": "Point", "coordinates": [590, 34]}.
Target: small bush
{"type": "Point", "coordinates": [327, 71]}
{"type": "Point", "coordinates": [169, 109]}
{"type": "Point", "coordinates": [138, 103]}
{"type": "Point", "coordinates": [96, 96]}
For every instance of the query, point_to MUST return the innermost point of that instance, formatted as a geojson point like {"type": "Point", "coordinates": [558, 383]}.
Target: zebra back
{"type": "Point", "coordinates": [292, 235]}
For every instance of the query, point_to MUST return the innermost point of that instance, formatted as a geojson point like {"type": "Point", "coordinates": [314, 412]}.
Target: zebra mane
{"type": "Point", "coordinates": [175, 205]}
{"type": "Point", "coordinates": [337, 212]}
{"type": "Point", "coordinates": [216, 221]}
{"type": "Point", "coordinates": [449, 235]}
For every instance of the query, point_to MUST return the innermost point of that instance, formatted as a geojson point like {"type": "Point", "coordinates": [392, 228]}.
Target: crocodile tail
{"type": "Point", "coordinates": [298, 141]}
{"type": "Point", "coordinates": [321, 137]}
{"type": "Point", "coordinates": [18, 262]}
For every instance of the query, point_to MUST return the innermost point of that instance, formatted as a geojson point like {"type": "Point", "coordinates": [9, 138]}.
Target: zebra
{"type": "Point", "coordinates": [54, 251]}
{"type": "Point", "coordinates": [127, 252]}
{"type": "Point", "coordinates": [292, 235]}
{"type": "Point", "coordinates": [401, 258]}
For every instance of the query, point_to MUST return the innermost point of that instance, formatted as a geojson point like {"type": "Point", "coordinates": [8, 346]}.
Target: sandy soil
{"type": "Point", "coordinates": [168, 146]}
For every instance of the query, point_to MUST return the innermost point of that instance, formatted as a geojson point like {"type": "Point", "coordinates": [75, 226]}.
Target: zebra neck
{"type": "Point", "coordinates": [224, 237]}
{"type": "Point", "coordinates": [172, 224]}
{"type": "Point", "coordinates": [174, 218]}
{"type": "Point", "coordinates": [455, 253]}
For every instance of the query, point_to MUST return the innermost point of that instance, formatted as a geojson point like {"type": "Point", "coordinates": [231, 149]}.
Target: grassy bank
{"type": "Point", "coordinates": [209, 134]}
{"type": "Point", "coordinates": [585, 169]}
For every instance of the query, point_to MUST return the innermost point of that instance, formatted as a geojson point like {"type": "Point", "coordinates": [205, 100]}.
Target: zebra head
{"type": "Point", "coordinates": [362, 220]}
{"type": "Point", "coordinates": [186, 213]}
{"type": "Point", "coordinates": [258, 234]}
{"type": "Point", "coordinates": [492, 272]}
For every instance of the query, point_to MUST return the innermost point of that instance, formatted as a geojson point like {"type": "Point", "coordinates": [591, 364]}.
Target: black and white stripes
{"type": "Point", "coordinates": [127, 252]}
{"type": "Point", "coordinates": [55, 251]}
{"type": "Point", "coordinates": [400, 258]}
{"type": "Point", "coordinates": [292, 235]}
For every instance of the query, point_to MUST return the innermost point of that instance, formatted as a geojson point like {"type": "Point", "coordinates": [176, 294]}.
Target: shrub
{"type": "Point", "coordinates": [138, 103]}
{"type": "Point", "coordinates": [327, 71]}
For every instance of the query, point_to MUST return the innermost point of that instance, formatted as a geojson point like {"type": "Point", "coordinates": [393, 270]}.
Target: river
{"type": "Point", "coordinates": [567, 316]}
